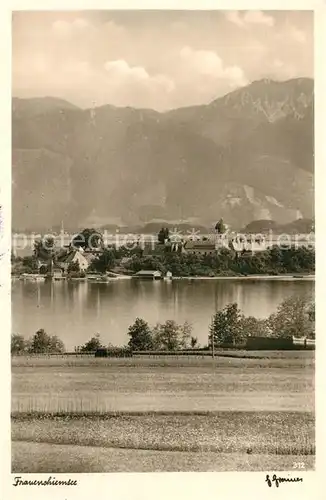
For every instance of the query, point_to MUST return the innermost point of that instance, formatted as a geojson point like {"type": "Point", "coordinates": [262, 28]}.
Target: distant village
{"type": "Point", "coordinates": [81, 260]}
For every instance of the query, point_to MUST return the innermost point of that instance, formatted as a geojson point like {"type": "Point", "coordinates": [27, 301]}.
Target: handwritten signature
{"type": "Point", "coordinates": [277, 480]}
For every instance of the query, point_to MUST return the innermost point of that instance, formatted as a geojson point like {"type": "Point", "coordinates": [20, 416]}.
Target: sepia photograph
{"type": "Point", "coordinates": [163, 241]}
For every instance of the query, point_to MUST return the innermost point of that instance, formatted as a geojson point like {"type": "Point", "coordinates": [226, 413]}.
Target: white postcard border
{"type": "Point", "coordinates": [162, 485]}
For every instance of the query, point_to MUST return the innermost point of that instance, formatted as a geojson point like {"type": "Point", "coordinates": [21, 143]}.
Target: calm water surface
{"type": "Point", "coordinates": [76, 310]}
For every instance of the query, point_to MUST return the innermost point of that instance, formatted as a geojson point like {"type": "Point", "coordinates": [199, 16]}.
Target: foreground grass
{"type": "Point", "coordinates": [103, 415]}
{"type": "Point", "coordinates": [272, 433]}
{"type": "Point", "coordinates": [44, 458]}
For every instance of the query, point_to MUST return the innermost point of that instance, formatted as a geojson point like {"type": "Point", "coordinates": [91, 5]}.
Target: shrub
{"type": "Point", "coordinates": [171, 336]}
{"type": "Point", "coordinates": [140, 336]}
{"type": "Point", "coordinates": [92, 345]}
{"type": "Point", "coordinates": [18, 344]}
{"type": "Point", "coordinates": [294, 318]}
{"type": "Point", "coordinates": [226, 327]}
{"type": "Point", "coordinates": [41, 342]}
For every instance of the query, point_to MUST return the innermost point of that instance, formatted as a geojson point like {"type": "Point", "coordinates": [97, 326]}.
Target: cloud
{"type": "Point", "coordinates": [284, 70]}
{"type": "Point", "coordinates": [204, 61]}
{"type": "Point", "coordinates": [250, 17]}
{"type": "Point", "coordinates": [124, 83]}
{"type": "Point", "coordinates": [277, 63]}
{"type": "Point", "coordinates": [114, 30]}
{"type": "Point", "coordinates": [122, 72]}
{"type": "Point", "coordinates": [164, 81]}
{"type": "Point", "coordinates": [296, 34]}
{"type": "Point", "coordinates": [233, 16]}
{"type": "Point", "coordinates": [121, 69]}
{"type": "Point", "coordinates": [67, 28]}
{"type": "Point", "coordinates": [258, 17]}
{"type": "Point", "coordinates": [80, 23]}
{"type": "Point", "coordinates": [207, 63]}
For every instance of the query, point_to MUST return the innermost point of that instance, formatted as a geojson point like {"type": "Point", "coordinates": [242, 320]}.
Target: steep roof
{"type": "Point", "coordinates": [89, 256]}
{"type": "Point", "coordinates": [67, 259]}
{"type": "Point", "coordinates": [200, 245]}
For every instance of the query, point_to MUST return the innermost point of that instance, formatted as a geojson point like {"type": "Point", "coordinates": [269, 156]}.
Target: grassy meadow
{"type": "Point", "coordinates": [278, 433]}
{"type": "Point", "coordinates": [83, 384]}
{"type": "Point", "coordinates": [196, 409]}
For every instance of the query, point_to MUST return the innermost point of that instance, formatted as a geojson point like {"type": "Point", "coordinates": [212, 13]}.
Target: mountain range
{"type": "Point", "coordinates": [248, 155]}
{"type": "Point", "coordinates": [299, 226]}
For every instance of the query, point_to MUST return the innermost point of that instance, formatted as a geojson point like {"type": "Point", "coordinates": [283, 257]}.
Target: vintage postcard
{"type": "Point", "coordinates": [159, 255]}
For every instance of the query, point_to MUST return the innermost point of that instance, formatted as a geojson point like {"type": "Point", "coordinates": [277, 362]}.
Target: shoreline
{"type": "Point", "coordinates": [267, 277]}
{"type": "Point", "coordinates": [285, 277]}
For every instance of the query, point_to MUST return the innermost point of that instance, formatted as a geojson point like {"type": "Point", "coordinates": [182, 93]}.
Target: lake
{"type": "Point", "coordinates": [75, 311]}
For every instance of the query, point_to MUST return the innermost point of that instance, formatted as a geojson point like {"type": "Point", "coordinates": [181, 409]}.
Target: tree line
{"type": "Point", "coordinates": [295, 317]}
{"type": "Point", "coordinates": [272, 261]}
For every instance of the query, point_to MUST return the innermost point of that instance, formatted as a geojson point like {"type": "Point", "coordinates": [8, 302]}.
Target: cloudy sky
{"type": "Point", "coordinates": [155, 59]}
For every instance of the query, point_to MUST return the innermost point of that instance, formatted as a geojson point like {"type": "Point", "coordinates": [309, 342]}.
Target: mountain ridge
{"type": "Point", "coordinates": [218, 159]}
{"type": "Point", "coordinates": [307, 81]}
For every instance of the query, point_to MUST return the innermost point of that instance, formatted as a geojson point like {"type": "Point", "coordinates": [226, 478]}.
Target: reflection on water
{"type": "Point", "coordinates": [76, 310]}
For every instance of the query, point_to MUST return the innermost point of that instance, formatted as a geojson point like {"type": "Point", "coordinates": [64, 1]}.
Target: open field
{"type": "Point", "coordinates": [83, 384]}
{"type": "Point", "coordinates": [81, 414]}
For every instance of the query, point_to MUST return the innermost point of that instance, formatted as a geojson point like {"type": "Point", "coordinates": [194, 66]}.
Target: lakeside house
{"type": "Point", "coordinates": [76, 257]}
{"type": "Point", "coordinates": [152, 275]}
